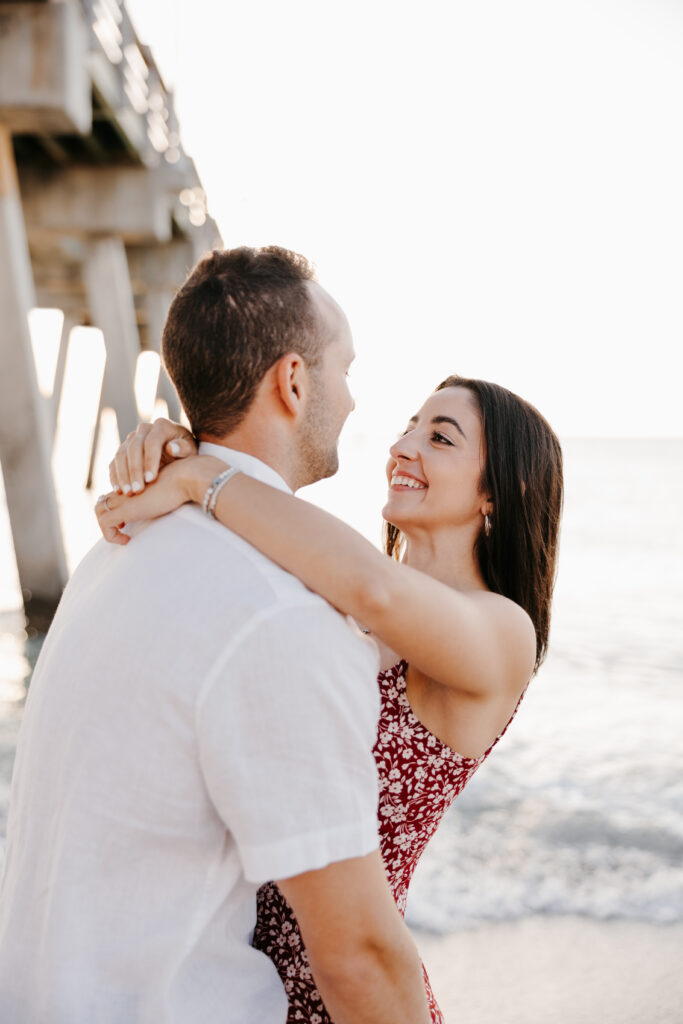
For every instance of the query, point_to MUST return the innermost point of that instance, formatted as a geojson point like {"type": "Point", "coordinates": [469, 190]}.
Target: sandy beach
{"type": "Point", "coordinates": [558, 970]}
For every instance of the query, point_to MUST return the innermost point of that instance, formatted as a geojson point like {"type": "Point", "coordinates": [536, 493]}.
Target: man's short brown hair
{"type": "Point", "coordinates": [239, 311]}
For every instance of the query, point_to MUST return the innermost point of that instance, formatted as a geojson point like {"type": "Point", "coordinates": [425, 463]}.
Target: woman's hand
{"type": "Point", "coordinates": [145, 451]}
{"type": "Point", "coordinates": [180, 482]}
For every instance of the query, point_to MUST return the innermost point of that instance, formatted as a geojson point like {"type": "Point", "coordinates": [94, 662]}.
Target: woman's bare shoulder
{"type": "Point", "coordinates": [512, 631]}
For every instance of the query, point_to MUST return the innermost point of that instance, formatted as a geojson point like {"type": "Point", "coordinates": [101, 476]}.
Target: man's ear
{"type": "Point", "coordinates": [291, 382]}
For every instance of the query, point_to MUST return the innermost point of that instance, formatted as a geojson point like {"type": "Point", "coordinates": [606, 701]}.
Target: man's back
{"type": "Point", "coordinates": [198, 723]}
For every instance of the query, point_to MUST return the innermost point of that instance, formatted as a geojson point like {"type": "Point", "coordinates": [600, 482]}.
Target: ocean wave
{"type": "Point", "coordinates": [564, 849]}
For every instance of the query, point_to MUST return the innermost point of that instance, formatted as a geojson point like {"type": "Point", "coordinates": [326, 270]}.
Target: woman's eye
{"type": "Point", "coordinates": [441, 438]}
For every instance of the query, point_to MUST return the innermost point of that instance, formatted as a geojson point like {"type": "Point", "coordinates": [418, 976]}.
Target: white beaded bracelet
{"type": "Point", "coordinates": [214, 489]}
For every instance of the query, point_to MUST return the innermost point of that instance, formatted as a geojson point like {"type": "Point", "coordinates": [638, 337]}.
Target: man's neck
{"type": "Point", "coordinates": [245, 441]}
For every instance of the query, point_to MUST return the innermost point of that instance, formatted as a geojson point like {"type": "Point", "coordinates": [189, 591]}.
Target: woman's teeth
{"type": "Point", "coordinates": [407, 481]}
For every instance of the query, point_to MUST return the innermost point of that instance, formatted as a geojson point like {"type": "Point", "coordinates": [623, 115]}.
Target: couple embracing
{"type": "Point", "coordinates": [246, 722]}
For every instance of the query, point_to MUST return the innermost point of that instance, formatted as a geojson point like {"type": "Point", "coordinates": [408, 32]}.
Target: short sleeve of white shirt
{"type": "Point", "coordinates": [286, 724]}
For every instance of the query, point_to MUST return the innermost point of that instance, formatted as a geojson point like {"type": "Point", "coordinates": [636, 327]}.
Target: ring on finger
{"type": "Point", "coordinates": [103, 500]}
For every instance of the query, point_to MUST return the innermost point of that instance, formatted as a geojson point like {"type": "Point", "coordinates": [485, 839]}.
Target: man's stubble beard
{"type": "Point", "coordinates": [318, 439]}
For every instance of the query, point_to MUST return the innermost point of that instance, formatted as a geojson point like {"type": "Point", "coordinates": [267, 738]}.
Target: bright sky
{"type": "Point", "coordinates": [494, 188]}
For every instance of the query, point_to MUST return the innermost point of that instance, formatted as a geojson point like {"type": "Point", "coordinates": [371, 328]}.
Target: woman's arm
{"type": "Point", "coordinates": [475, 642]}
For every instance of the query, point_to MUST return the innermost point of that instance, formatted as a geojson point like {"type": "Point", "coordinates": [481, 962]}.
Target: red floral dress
{"type": "Point", "coordinates": [419, 777]}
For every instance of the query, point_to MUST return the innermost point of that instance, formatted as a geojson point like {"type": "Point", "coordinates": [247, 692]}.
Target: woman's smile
{"type": "Point", "coordinates": [401, 481]}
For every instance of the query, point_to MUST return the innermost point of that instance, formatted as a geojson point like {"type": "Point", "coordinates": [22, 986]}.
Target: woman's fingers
{"type": "Point", "coordinates": [145, 450]}
{"type": "Point", "coordinates": [181, 447]}
{"type": "Point", "coordinates": [171, 490]}
{"type": "Point", "coordinates": [115, 466]}
{"type": "Point", "coordinates": [110, 519]}
{"type": "Point", "coordinates": [135, 458]}
{"type": "Point", "coordinates": [114, 536]}
{"type": "Point", "coordinates": [125, 468]}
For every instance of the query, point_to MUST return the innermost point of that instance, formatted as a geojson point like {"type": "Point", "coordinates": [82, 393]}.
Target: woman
{"type": "Point", "coordinates": [460, 612]}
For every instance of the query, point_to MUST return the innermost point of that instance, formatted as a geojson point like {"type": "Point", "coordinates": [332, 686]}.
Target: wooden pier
{"type": "Point", "coordinates": [102, 214]}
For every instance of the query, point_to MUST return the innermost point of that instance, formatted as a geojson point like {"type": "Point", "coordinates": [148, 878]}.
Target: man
{"type": "Point", "coordinates": [199, 722]}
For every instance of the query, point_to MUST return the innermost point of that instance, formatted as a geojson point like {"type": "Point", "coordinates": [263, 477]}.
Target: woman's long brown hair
{"type": "Point", "coordinates": [523, 475]}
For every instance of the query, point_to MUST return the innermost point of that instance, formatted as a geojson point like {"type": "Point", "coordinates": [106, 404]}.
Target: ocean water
{"type": "Point", "coordinates": [579, 810]}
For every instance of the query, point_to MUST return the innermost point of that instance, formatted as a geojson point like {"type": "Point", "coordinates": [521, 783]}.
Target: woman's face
{"type": "Point", "coordinates": [435, 467]}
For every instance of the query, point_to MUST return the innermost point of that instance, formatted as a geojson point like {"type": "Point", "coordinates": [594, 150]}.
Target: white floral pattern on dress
{"type": "Point", "coordinates": [419, 777]}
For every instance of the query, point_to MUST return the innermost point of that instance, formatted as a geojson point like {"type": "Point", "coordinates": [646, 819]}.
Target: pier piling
{"type": "Point", "coordinates": [102, 215]}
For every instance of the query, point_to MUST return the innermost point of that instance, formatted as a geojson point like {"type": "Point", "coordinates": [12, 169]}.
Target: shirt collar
{"type": "Point", "coordinates": [248, 464]}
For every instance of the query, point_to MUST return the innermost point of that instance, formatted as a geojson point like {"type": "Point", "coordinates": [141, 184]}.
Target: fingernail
{"type": "Point", "coordinates": [174, 448]}
{"type": "Point", "coordinates": [149, 476]}
{"type": "Point", "coordinates": [126, 488]}
{"type": "Point", "coordinates": [137, 486]}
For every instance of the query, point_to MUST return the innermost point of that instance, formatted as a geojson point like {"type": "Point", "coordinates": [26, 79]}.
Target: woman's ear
{"type": "Point", "coordinates": [291, 377]}
{"type": "Point", "coordinates": [487, 508]}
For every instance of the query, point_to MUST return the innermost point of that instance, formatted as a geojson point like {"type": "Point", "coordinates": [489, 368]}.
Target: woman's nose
{"type": "Point", "coordinates": [404, 448]}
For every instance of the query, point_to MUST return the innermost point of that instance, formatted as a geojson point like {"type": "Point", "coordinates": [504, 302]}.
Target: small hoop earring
{"type": "Point", "coordinates": [487, 525]}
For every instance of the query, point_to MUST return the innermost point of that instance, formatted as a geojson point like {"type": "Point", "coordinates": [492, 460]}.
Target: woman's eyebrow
{"type": "Point", "coordinates": [449, 419]}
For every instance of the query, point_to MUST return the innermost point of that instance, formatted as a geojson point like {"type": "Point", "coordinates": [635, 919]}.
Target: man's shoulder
{"type": "Point", "coordinates": [230, 580]}
{"type": "Point", "coordinates": [191, 539]}
{"type": "Point", "coordinates": [248, 564]}
{"type": "Point", "coordinates": [227, 589]}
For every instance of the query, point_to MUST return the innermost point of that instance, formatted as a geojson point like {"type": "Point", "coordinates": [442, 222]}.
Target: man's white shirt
{"type": "Point", "coordinates": [198, 723]}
